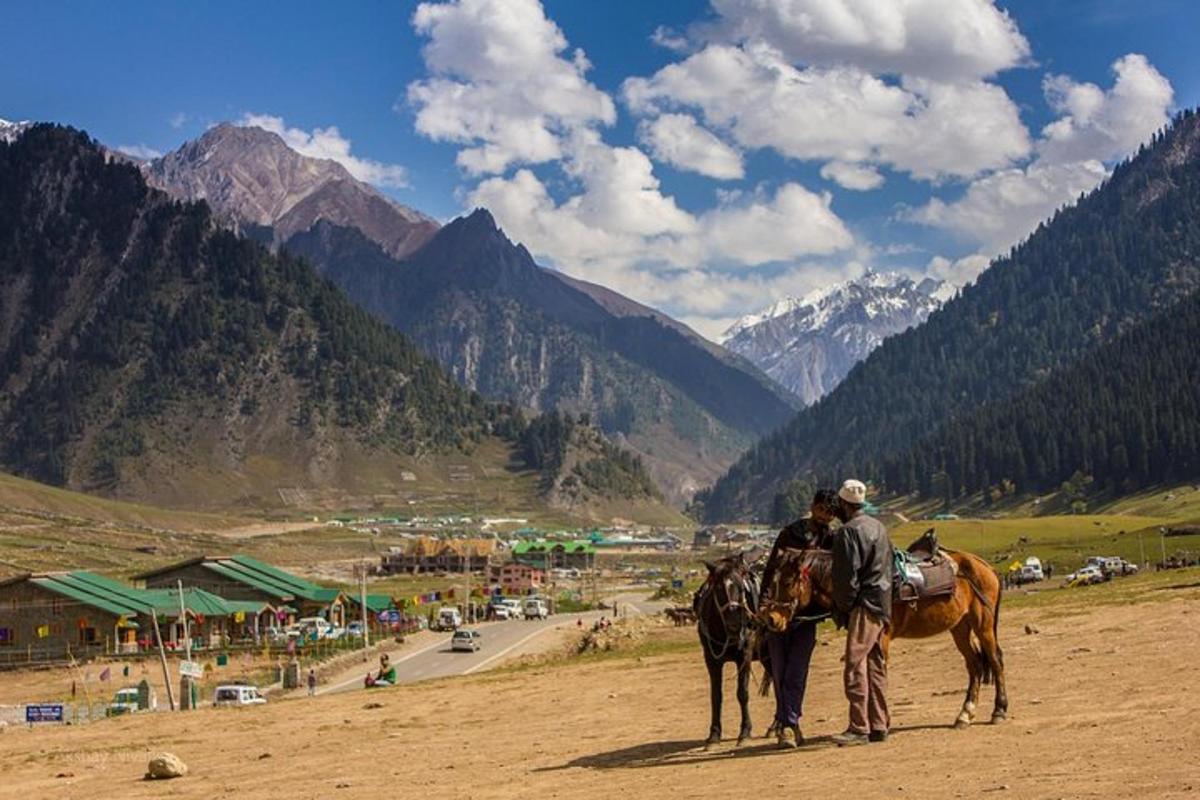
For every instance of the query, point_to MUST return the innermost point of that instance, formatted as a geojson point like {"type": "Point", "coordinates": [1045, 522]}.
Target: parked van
{"type": "Point", "coordinates": [449, 619]}
{"type": "Point", "coordinates": [1032, 571]}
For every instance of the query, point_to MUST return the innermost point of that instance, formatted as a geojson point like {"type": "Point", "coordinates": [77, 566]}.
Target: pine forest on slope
{"type": "Point", "coordinates": [1120, 255]}
{"type": "Point", "coordinates": [142, 346]}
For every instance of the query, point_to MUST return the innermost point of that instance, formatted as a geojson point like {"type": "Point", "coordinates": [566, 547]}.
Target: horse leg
{"type": "Point", "coordinates": [990, 647]}
{"type": "Point", "coordinates": [962, 638]}
{"type": "Point", "coordinates": [743, 696]}
{"type": "Point", "coordinates": [714, 692]}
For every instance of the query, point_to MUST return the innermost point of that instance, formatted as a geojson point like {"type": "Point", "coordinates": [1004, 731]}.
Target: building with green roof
{"type": "Point", "coordinates": [240, 577]}
{"type": "Point", "coordinates": [81, 613]}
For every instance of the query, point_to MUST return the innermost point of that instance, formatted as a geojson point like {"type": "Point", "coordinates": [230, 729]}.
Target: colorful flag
{"type": "Point", "coordinates": [43, 631]}
{"type": "Point", "coordinates": [239, 616]}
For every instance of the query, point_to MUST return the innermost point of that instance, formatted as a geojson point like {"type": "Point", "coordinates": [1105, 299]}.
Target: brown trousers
{"type": "Point", "coordinates": [865, 673]}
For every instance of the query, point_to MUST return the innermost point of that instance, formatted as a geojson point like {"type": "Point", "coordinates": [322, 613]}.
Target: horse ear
{"type": "Point", "coordinates": [711, 567]}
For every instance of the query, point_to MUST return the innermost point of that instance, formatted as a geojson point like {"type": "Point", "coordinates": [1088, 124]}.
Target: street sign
{"type": "Point", "coordinates": [191, 669]}
{"type": "Point", "coordinates": [44, 712]}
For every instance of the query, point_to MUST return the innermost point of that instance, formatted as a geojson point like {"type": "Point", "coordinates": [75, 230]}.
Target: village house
{"type": "Point", "coordinates": [516, 578]}
{"type": "Point", "coordinates": [429, 554]}
{"type": "Point", "coordinates": [576, 554]}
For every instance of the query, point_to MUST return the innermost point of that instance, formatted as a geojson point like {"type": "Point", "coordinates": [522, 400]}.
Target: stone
{"type": "Point", "coordinates": [164, 766]}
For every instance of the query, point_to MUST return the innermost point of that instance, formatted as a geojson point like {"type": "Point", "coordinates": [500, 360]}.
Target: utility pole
{"type": "Point", "coordinates": [1142, 548]}
{"type": "Point", "coordinates": [187, 634]}
{"type": "Point", "coordinates": [162, 657]}
{"type": "Point", "coordinates": [1162, 540]}
{"type": "Point", "coordinates": [362, 601]}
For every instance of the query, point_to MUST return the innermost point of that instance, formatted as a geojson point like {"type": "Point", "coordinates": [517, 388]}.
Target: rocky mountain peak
{"type": "Point", "coordinates": [251, 177]}
{"type": "Point", "coordinates": [808, 344]}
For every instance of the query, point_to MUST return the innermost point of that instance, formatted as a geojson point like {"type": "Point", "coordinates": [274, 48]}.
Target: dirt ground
{"type": "Point", "coordinates": [1104, 704]}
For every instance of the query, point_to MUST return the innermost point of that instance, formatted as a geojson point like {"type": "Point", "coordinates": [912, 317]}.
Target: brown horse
{"type": "Point", "coordinates": [971, 614]}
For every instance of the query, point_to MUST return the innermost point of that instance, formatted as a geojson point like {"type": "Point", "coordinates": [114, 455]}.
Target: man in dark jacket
{"type": "Point", "coordinates": [862, 595]}
{"type": "Point", "coordinates": [791, 651]}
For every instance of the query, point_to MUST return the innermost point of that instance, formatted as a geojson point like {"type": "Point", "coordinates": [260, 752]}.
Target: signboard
{"type": "Point", "coordinates": [389, 616]}
{"type": "Point", "coordinates": [191, 669]}
{"type": "Point", "coordinates": [44, 712]}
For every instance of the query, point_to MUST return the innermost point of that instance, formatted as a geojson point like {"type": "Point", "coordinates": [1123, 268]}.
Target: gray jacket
{"type": "Point", "coordinates": [862, 567]}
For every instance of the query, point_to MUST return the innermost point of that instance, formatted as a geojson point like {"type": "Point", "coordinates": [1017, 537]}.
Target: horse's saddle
{"type": "Point", "coordinates": [923, 570]}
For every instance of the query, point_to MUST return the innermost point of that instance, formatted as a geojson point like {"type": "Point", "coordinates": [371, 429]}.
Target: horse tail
{"type": "Point", "coordinates": [996, 624]}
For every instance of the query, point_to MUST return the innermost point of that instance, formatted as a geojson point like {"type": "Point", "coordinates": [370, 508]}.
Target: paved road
{"type": "Point", "coordinates": [435, 659]}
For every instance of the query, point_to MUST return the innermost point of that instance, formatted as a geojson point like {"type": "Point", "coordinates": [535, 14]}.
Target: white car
{"type": "Point", "coordinates": [465, 640]}
{"type": "Point", "coordinates": [501, 612]}
{"type": "Point", "coordinates": [237, 695]}
{"type": "Point", "coordinates": [1085, 575]}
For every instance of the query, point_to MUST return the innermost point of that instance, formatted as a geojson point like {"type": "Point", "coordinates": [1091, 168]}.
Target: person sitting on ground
{"type": "Point", "coordinates": [862, 596]}
{"type": "Point", "coordinates": [791, 651]}
{"type": "Point", "coordinates": [387, 673]}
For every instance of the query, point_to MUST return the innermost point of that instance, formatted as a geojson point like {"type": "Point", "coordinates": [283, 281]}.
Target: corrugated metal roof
{"type": "Point", "coordinates": [105, 602]}
{"type": "Point", "coordinates": [299, 586]}
{"type": "Point", "coordinates": [232, 572]}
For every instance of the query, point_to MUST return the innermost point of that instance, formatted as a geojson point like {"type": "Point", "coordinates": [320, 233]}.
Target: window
{"type": "Point", "coordinates": [56, 605]}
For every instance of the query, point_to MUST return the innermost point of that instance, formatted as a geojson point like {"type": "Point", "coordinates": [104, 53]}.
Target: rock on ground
{"type": "Point", "coordinates": [165, 765]}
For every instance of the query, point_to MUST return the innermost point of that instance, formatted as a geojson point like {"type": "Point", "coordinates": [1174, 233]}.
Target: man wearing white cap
{"type": "Point", "coordinates": [862, 596]}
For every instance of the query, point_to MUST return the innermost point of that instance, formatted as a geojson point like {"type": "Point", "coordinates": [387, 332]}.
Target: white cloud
{"type": "Point", "coordinates": [1096, 126]}
{"type": "Point", "coordinates": [178, 120]}
{"type": "Point", "coordinates": [501, 84]}
{"type": "Point", "coordinates": [620, 219]}
{"type": "Point", "coordinates": [1104, 125]}
{"type": "Point", "coordinates": [842, 113]}
{"type": "Point", "coordinates": [948, 40]}
{"type": "Point", "coordinates": [679, 140]}
{"type": "Point", "coordinates": [670, 39]}
{"type": "Point", "coordinates": [329, 143]}
{"type": "Point", "coordinates": [959, 271]}
{"type": "Point", "coordinates": [857, 177]}
{"type": "Point", "coordinates": [999, 210]}
{"type": "Point", "coordinates": [139, 151]}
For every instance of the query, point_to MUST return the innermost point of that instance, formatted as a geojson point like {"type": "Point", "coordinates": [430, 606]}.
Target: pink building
{"type": "Point", "coordinates": [515, 578]}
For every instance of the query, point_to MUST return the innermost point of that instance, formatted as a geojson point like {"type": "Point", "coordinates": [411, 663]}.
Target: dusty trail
{"type": "Point", "coordinates": [1104, 704]}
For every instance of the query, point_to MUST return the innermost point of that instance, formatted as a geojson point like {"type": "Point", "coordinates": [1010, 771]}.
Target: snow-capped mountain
{"type": "Point", "coordinates": [9, 131]}
{"type": "Point", "coordinates": [809, 344]}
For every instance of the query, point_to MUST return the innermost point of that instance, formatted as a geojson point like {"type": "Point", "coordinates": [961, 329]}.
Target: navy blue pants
{"type": "Point", "coordinates": [791, 653]}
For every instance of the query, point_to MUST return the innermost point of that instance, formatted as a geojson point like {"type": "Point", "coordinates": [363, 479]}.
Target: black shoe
{"type": "Point", "coordinates": [877, 736]}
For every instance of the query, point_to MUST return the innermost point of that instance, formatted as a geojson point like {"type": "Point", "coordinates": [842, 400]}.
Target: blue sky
{"type": "Point", "coordinates": [660, 166]}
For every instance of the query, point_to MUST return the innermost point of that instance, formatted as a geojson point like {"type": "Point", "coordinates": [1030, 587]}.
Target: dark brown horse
{"type": "Point", "coordinates": [971, 614]}
{"type": "Point", "coordinates": [725, 606]}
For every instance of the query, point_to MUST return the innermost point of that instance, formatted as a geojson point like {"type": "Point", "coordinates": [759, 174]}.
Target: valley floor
{"type": "Point", "coordinates": [1103, 705]}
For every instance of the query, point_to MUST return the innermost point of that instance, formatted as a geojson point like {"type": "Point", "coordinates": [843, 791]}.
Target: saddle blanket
{"type": "Point", "coordinates": [918, 580]}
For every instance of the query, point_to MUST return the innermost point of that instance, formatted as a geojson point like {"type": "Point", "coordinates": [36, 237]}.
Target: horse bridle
{"type": "Point", "coordinates": [722, 608]}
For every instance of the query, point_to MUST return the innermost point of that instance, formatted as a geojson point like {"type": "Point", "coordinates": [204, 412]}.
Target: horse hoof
{"type": "Point", "coordinates": [961, 724]}
{"type": "Point", "coordinates": [999, 717]}
{"type": "Point", "coordinates": [741, 740]}
{"type": "Point", "coordinates": [711, 742]}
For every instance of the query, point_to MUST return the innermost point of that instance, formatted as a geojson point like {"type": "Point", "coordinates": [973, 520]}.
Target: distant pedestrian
{"type": "Point", "coordinates": [312, 683]}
